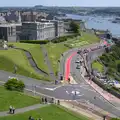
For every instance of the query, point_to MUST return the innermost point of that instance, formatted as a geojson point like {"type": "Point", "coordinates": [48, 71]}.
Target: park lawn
{"type": "Point", "coordinates": [85, 39]}
{"type": "Point", "coordinates": [51, 112]}
{"type": "Point", "coordinates": [54, 53]}
{"type": "Point", "coordinates": [98, 66]}
{"type": "Point", "coordinates": [17, 99]}
{"type": "Point", "coordinates": [36, 52]}
{"type": "Point", "coordinates": [11, 57]}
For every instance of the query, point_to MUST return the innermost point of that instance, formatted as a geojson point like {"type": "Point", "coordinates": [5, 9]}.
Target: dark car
{"type": "Point", "coordinates": [79, 51]}
{"type": "Point", "coordinates": [85, 51]}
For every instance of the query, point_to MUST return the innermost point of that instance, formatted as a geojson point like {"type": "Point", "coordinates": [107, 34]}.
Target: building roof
{"type": "Point", "coordinates": [44, 23]}
{"type": "Point", "coordinates": [10, 25]}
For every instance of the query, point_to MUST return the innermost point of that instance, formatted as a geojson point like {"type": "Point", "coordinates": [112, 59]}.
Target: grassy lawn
{"type": "Point", "coordinates": [36, 52]}
{"type": "Point", "coordinates": [85, 39]}
{"type": "Point", "coordinates": [8, 58]}
{"type": "Point", "coordinates": [98, 66]}
{"type": "Point", "coordinates": [54, 52]}
{"type": "Point", "coordinates": [51, 112]}
{"type": "Point", "coordinates": [17, 99]}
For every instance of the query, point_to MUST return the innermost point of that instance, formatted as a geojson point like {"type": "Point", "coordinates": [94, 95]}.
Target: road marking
{"type": "Point", "coordinates": [75, 92]}
{"type": "Point", "coordinates": [51, 89]}
{"type": "Point", "coordinates": [2, 82]}
{"type": "Point", "coordinates": [80, 95]}
{"type": "Point", "coordinates": [67, 92]}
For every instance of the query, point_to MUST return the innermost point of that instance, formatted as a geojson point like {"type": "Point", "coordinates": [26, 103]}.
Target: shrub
{"type": "Point", "coordinates": [11, 45]}
{"type": "Point", "coordinates": [14, 85]}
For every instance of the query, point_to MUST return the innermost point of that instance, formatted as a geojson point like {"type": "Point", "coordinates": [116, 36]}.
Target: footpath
{"type": "Point", "coordinates": [111, 98]}
{"type": "Point", "coordinates": [22, 110]}
{"type": "Point", "coordinates": [83, 110]}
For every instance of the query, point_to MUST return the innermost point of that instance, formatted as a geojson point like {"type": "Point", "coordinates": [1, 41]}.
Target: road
{"type": "Point", "coordinates": [89, 92]}
{"type": "Point", "coordinates": [84, 92]}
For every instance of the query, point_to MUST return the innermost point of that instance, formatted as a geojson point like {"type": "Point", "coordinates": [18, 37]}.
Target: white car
{"type": "Point", "coordinates": [77, 61]}
{"type": "Point", "coordinates": [12, 77]}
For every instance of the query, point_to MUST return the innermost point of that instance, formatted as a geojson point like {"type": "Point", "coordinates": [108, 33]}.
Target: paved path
{"type": "Point", "coordinates": [48, 62]}
{"type": "Point", "coordinates": [32, 62]}
{"type": "Point", "coordinates": [22, 110]}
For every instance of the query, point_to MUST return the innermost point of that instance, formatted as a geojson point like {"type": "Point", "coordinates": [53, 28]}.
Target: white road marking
{"type": "Point", "coordinates": [51, 89]}
{"type": "Point", "coordinates": [80, 95]}
{"type": "Point", "coordinates": [75, 92]}
{"type": "Point", "coordinates": [67, 92]}
{"type": "Point", "coordinates": [2, 82]}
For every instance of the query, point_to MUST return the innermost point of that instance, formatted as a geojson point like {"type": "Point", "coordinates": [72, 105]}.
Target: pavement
{"type": "Point", "coordinates": [79, 92]}
{"type": "Point", "coordinates": [22, 110]}
{"type": "Point", "coordinates": [48, 62]}
{"type": "Point", "coordinates": [100, 101]}
{"type": "Point", "coordinates": [79, 110]}
{"type": "Point", "coordinates": [32, 62]}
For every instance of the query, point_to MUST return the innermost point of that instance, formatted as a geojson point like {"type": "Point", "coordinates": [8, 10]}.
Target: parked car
{"type": "Point", "coordinates": [78, 67]}
{"type": "Point", "coordinates": [77, 61]}
{"type": "Point", "coordinates": [79, 51]}
{"type": "Point", "coordinates": [85, 51]}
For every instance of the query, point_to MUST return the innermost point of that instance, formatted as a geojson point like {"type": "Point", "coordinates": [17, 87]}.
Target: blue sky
{"type": "Point", "coordinates": [60, 2]}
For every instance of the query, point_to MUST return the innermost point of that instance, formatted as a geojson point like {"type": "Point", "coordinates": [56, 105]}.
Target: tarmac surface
{"type": "Point", "coordinates": [79, 92]}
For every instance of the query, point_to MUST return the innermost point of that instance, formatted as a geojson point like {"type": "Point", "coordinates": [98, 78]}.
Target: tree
{"type": "Point", "coordinates": [14, 85]}
{"type": "Point", "coordinates": [74, 27]}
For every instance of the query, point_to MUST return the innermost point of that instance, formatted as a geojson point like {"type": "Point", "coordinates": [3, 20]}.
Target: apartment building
{"type": "Point", "coordinates": [37, 30]}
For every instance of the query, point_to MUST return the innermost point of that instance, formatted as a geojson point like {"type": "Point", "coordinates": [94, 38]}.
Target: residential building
{"type": "Point", "coordinates": [38, 30]}
{"type": "Point", "coordinates": [8, 32]}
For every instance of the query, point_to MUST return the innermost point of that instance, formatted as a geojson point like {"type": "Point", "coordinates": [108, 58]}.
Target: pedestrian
{"type": "Point", "coordinates": [30, 117]}
{"type": "Point", "coordinates": [52, 100]}
{"type": "Point", "coordinates": [10, 109]}
{"type": "Point", "coordinates": [58, 102]}
{"type": "Point", "coordinates": [45, 100]}
{"type": "Point", "coordinates": [13, 110]}
{"type": "Point", "coordinates": [42, 100]}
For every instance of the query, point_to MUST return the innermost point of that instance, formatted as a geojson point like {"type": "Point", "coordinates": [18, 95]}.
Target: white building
{"type": "Point", "coordinates": [38, 30]}
{"type": "Point", "coordinates": [59, 27]}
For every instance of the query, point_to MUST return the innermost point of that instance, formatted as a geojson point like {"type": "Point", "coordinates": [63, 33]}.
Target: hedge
{"type": "Point", "coordinates": [35, 41]}
{"type": "Point", "coordinates": [55, 40]}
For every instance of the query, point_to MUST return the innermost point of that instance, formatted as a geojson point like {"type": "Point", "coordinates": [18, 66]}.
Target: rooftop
{"type": "Point", "coordinates": [10, 24]}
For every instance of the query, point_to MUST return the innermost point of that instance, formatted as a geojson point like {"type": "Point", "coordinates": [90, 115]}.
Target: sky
{"type": "Point", "coordinates": [107, 3]}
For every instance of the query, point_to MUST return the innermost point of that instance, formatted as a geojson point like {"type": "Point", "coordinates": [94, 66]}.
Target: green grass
{"type": "Point", "coordinates": [8, 58]}
{"type": "Point", "coordinates": [55, 50]}
{"type": "Point", "coordinates": [85, 39]}
{"type": "Point", "coordinates": [98, 66]}
{"type": "Point", "coordinates": [36, 52]}
{"type": "Point", "coordinates": [54, 53]}
{"type": "Point", "coordinates": [51, 112]}
{"type": "Point", "coordinates": [17, 99]}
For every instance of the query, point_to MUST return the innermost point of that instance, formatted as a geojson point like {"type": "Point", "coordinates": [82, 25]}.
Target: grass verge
{"type": "Point", "coordinates": [11, 57]}
{"type": "Point", "coordinates": [98, 66]}
{"type": "Point", "coordinates": [51, 112]}
{"type": "Point", "coordinates": [36, 52]}
{"type": "Point", "coordinates": [17, 99]}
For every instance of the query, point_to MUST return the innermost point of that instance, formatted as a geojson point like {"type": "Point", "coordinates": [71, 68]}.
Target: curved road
{"type": "Point", "coordinates": [84, 92]}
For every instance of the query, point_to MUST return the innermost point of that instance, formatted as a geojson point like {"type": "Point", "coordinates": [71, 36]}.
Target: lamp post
{"type": "Point", "coordinates": [74, 97]}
